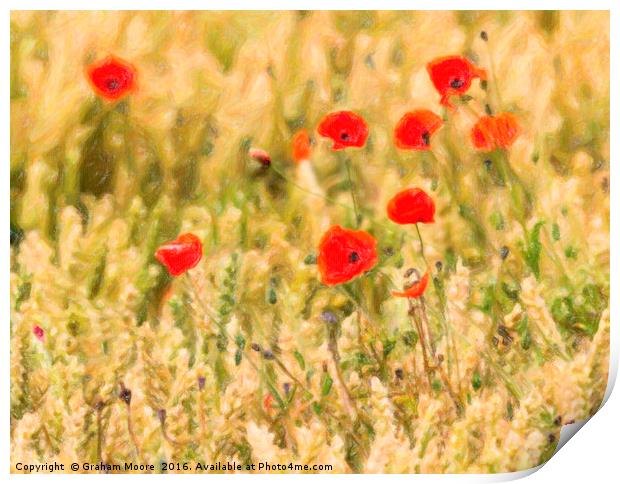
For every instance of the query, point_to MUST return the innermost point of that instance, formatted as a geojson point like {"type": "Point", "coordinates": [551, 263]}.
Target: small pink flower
{"type": "Point", "coordinates": [38, 332]}
{"type": "Point", "coordinates": [261, 156]}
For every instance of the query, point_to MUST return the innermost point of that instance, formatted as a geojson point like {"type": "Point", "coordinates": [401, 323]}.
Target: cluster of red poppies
{"type": "Point", "coordinates": [343, 253]}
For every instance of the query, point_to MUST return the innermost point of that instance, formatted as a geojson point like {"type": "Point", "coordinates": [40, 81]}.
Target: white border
{"type": "Point", "coordinates": [590, 458]}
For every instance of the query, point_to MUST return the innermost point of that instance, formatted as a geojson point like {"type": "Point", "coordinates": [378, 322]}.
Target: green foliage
{"type": "Point", "coordinates": [326, 384]}
{"type": "Point", "coordinates": [555, 232]}
{"type": "Point", "coordinates": [580, 312]}
{"type": "Point", "coordinates": [184, 320]}
{"type": "Point", "coordinates": [532, 248]}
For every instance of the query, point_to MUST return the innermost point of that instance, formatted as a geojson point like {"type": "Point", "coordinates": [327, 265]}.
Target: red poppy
{"type": "Point", "coordinates": [414, 290]}
{"type": "Point", "coordinates": [345, 254]}
{"type": "Point", "coordinates": [411, 206]}
{"type": "Point", "coordinates": [112, 78]}
{"type": "Point", "coordinates": [452, 75]}
{"type": "Point", "coordinates": [414, 130]}
{"type": "Point", "coordinates": [181, 254]}
{"type": "Point", "coordinates": [268, 402]}
{"type": "Point", "coordinates": [345, 129]}
{"type": "Point", "coordinates": [301, 146]}
{"type": "Point", "coordinates": [492, 132]}
{"type": "Point", "coordinates": [38, 332]}
{"type": "Point", "coordinates": [261, 156]}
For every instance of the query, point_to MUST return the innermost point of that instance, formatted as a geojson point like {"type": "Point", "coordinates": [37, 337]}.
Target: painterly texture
{"type": "Point", "coordinates": [243, 354]}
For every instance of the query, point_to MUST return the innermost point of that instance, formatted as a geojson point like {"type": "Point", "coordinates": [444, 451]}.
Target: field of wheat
{"type": "Point", "coordinates": [277, 237]}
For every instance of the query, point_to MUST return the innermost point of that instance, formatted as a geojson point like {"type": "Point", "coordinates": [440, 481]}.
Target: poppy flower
{"type": "Point", "coordinates": [181, 254]}
{"type": "Point", "coordinates": [414, 130]}
{"type": "Point", "coordinates": [411, 206]}
{"type": "Point", "coordinates": [345, 129]}
{"type": "Point", "coordinates": [38, 332]}
{"type": "Point", "coordinates": [268, 402]}
{"type": "Point", "coordinates": [111, 78]}
{"type": "Point", "coordinates": [493, 132]}
{"type": "Point", "coordinates": [345, 254]}
{"type": "Point", "coordinates": [414, 290]}
{"type": "Point", "coordinates": [301, 146]}
{"type": "Point", "coordinates": [452, 75]}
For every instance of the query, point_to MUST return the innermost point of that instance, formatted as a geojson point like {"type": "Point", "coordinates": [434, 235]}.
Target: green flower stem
{"type": "Point", "coordinates": [358, 218]}
{"type": "Point", "coordinates": [417, 228]}
{"type": "Point", "coordinates": [466, 211]}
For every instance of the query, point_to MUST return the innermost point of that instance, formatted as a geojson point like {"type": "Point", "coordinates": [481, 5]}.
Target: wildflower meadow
{"type": "Point", "coordinates": [348, 242]}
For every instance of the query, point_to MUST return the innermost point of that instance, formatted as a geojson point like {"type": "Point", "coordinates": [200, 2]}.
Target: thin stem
{"type": "Point", "coordinates": [333, 349]}
{"type": "Point", "coordinates": [457, 403]}
{"type": "Point", "coordinates": [176, 443]}
{"type": "Point", "coordinates": [421, 334]}
{"type": "Point", "coordinates": [421, 245]}
{"type": "Point", "coordinates": [305, 190]}
{"type": "Point", "coordinates": [347, 162]}
{"type": "Point", "coordinates": [132, 433]}
{"type": "Point", "coordinates": [453, 185]}
{"type": "Point", "coordinates": [494, 77]}
{"type": "Point", "coordinates": [126, 396]}
{"type": "Point", "coordinates": [427, 324]}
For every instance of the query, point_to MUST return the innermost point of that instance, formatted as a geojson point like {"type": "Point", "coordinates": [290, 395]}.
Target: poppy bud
{"type": "Point", "coordinates": [268, 355]}
{"type": "Point", "coordinates": [329, 317]}
{"type": "Point", "coordinates": [161, 414]}
{"type": "Point", "coordinates": [125, 395]}
{"type": "Point", "coordinates": [409, 272]}
{"type": "Point", "coordinates": [38, 332]}
{"type": "Point", "coordinates": [201, 382]}
{"type": "Point", "coordinates": [261, 156]}
{"type": "Point", "coordinates": [256, 347]}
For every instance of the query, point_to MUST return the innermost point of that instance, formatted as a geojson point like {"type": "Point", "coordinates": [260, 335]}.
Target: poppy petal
{"type": "Point", "coordinates": [181, 254]}
{"type": "Point", "coordinates": [493, 132]}
{"type": "Point", "coordinates": [411, 206]}
{"type": "Point", "coordinates": [452, 75]}
{"type": "Point", "coordinates": [301, 146]}
{"type": "Point", "coordinates": [415, 129]}
{"type": "Point", "coordinates": [415, 290]}
{"type": "Point", "coordinates": [345, 129]}
{"type": "Point", "coordinates": [345, 254]}
{"type": "Point", "coordinates": [112, 78]}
